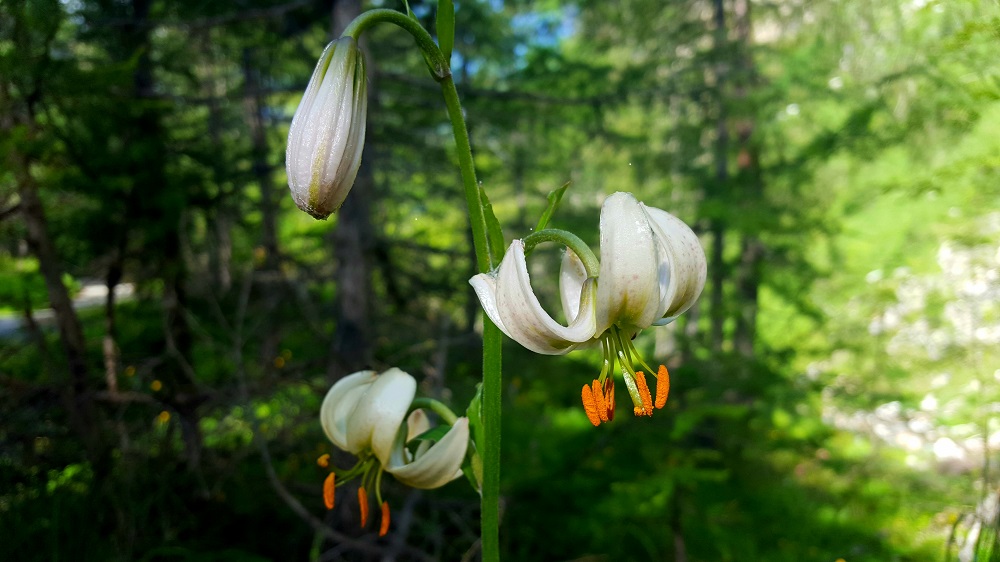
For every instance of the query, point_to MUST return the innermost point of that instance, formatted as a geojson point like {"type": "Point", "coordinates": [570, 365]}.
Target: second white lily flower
{"type": "Point", "coordinates": [363, 414]}
{"type": "Point", "coordinates": [652, 269]}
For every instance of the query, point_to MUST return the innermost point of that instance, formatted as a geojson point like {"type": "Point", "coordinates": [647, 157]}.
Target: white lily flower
{"type": "Point", "coordinates": [652, 269]}
{"type": "Point", "coordinates": [327, 133]}
{"type": "Point", "coordinates": [363, 414]}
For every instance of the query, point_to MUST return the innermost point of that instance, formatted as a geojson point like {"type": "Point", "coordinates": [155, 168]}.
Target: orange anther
{"type": "Point", "coordinates": [328, 489]}
{"type": "Point", "coordinates": [609, 396]}
{"type": "Point", "coordinates": [590, 405]}
{"type": "Point", "coordinates": [662, 387]}
{"type": "Point", "coordinates": [363, 502]}
{"type": "Point", "coordinates": [647, 400]}
{"type": "Point", "coordinates": [324, 460]}
{"type": "Point", "coordinates": [602, 405]}
{"type": "Point", "coordinates": [385, 520]}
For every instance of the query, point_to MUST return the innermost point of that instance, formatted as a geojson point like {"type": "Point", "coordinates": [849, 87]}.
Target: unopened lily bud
{"type": "Point", "coordinates": [328, 131]}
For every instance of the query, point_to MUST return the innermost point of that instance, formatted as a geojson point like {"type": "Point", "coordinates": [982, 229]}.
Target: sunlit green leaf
{"type": "Point", "coordinates": [554, 197]}
{"type": "Point", "coordinates": [446, 27]}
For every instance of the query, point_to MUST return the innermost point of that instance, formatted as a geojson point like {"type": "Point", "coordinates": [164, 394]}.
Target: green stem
{"type": "Point", "coordinates": [571, 241]}
{"type": "Point", "coordinates": [439, 65]}
{"type": "Point", "coordinates": [492, 338]}
{"type": "Point", "coordinates": [477, 217]}
{"type": "Point", "coordinates": [490, 502]}
{"type": "Point", "coordinates": [447, 416]}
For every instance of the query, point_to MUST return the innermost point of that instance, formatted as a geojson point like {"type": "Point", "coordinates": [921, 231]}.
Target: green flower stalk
{"type": "Point", "coordinates": [327, 134]}
{"type": "Point", "coordinates": [324, 152]}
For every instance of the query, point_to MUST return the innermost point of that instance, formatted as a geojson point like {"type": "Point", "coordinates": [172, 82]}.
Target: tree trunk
{"type": "Point", "coordinates": [163, 216]}
{"type": "Point", "coordinates": [748, 162]}
{"type": "Point", "coordinates": [269, 258]}
{"type": "Point", "coordinates": [261, 168]}
{"type": "Point", "coordinates": [717, 266]}
{"type": "Point", "coordinates": [20, 114]}
{"type": "Point", "coordinates": [70, 330]}
{"type": "Point", "coordinates": [353, 244]}
{"type": "Point", "coordinates": [110, 346]}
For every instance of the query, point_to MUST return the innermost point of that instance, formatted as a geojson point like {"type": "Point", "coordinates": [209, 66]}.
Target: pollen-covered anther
{"type": "Point", "coordinates": [662, 387]}
{"type": "Point", "coordinates": [600, 400]}
{"type": "Point", "coordinates": [384, 528]}
{"type": "Point", "coordinates": [647, 399]}
{"type": "Point", "coordinates": [363, 503]}
{"type": "Point", "coordinates": [324, 460]}
{"type": "Point", "coordinates": [329, 485]}
{"type": "Point", "coordinates": [609, 396]}
{"type": "Point", "coordinates": [590, 405]}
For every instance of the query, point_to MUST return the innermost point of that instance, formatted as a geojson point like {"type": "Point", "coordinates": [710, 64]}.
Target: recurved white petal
{"type": "Point", "coordinates": [416, 424]}
{"type": "Point", "coordinates": [509, 301]}
{"type": "Point", "coordinates": [438, 465]}
{"type": "Point", "coordinates": [686, 266]}
{"type": "Point", "coordinates": [339, 404]}
{"type": "Point", "coordinates": [485, 286]}
{"type": "Point", "coordinates": [629, 282]}
{"type": "Point", "coordinates": [572, 276]}
{"type": "Point", "coordinates": [379, 414]}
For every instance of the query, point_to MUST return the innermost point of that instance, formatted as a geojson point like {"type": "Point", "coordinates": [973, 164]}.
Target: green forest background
{"type": "Point", "coordinates": [835, 391]}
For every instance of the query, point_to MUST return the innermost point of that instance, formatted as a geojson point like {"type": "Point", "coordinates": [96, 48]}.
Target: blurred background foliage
{"type": "Point", "coordinates": [169, 321]}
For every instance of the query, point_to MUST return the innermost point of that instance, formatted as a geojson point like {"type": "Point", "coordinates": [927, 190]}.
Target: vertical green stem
{"type": "Point", "coordinates": [469, 182]}
{"type": "Point", "coordinates": [490, 503]}
{"type": "Point", "coordinates": [492, 338]}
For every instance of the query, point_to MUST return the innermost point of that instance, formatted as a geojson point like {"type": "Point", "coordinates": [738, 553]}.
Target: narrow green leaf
{"type": "Point", "coordinates": [475, 414]}
{"type": "Point", "coordinates": [409, 12]}
{"type": "Point", "coordinates": [446, 27]}
{"type": "Point", "coordinates": [554, 197]}
{"type": "Point", "coordinates": [494, 234]}
{"type": "Point", "coordinates": [473, 470]}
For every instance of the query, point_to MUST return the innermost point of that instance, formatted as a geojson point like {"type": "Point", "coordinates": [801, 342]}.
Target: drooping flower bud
{"type": "Point", "coordinates": [327, 133]}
